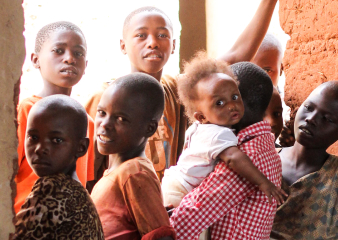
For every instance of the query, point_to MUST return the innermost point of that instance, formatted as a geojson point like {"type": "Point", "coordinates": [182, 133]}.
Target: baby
{"type": "Point", "coordinates": [212, 99]}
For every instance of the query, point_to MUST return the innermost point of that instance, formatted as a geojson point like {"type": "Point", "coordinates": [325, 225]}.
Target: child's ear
{"type": "Point", "coordinates": [152, 127]}
{"type": "Point", "coordinates": [35, 60]}
{"type": "Point", "coordinates": [281, 69]}
{"type": "Point", "coordinates": [123, 46]}
{"type": "Point", "coordinates": [200, 117]}
{"type": "Point", "coordinates": [82, 147]}
{"type": "Point", "coordinates": [174, 45]}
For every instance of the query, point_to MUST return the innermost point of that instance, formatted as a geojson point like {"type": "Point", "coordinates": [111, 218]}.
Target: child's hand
{"type": "Point", "coordinates": [170, 209]}
{"type": "Point", "coordinates": [269, 189]}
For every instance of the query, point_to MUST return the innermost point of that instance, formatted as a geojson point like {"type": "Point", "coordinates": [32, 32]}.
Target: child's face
{"type": "Point", "coordinates": [148, 41]}
{"type": "Point", "coordinates": [51, 144]}
{"type": "Point", "coordinates": [219, 101]}
{"type": "Point", "coordinates": [316, 122]}
{"type": "Point", "coordinates": [62, 58]}
{"type": "Point", "coordinates": [271, 62]}
{"type": "Point", "coordinates": [274, 113]}
{"type": "Point", "coordinates": [120, 122]}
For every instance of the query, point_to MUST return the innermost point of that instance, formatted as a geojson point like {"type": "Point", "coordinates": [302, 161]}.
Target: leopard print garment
{"type": "Point", "coordinates": [58, 208]}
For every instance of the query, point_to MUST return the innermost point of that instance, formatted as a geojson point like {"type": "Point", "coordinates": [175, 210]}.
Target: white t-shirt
{"type": "Point", "coordinates": [203, 143]}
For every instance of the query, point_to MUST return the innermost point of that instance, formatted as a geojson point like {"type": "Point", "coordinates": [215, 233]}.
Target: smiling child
{"type": "Point", "coordinates": [128, 196]}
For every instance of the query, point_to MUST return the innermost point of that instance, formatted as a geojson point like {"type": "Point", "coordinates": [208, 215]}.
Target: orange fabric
{"type": "Point", "coordinates": [25, 177]}
{"type": "Point", "coordinates": [129, 202]}
{"type": "Point", "coordinates": [160, 233]}
{"type": "Point", "coordinates": [164, 147]}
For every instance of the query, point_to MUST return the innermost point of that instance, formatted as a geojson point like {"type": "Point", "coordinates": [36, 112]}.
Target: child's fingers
{"type": "Point", "coordinates": [283, 192]}
{"type": "Point", "coordinates": [278, 197]}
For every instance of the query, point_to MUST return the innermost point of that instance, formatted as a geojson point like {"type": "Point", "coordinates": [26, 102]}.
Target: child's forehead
{"type": "Point", "coordinates": [140, 20]}
{"type": "Point", "coordinates": [65, 36]}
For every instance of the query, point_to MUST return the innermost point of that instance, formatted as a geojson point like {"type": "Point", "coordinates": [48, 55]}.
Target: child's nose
{"type": "Point", "coordinates": [41, 148]}
{"type": "Point", "coordinates": [69, 58]}
{"type": "Point", "coordinates": [312, 118]}
{"type": "Point", "coordinates": [106, 123]}
{"type": "Point", "coordinates": [152, 41]}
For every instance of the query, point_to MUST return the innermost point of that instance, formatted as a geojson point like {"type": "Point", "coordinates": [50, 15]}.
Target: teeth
{"type": "Point", "coordinates": [69, 71]}
{"type": "Point", "coordinates": [105, 139]}
{"type": "Point", "coordinates": [306, 131]}
{"type": "Point", "coordinates": [153, 56]}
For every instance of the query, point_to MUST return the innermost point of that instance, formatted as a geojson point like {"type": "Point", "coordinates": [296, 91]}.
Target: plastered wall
{"type": "Point", "coordinates": [12, 55]}
{"type": "Point", "coordinates": [311, 55]}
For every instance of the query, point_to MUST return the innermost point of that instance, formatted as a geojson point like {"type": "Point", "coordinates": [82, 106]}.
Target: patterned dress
{"type": "Point", "coordinates": [58, 208]}
{"type": "Point", "coordinates": [311, 210]}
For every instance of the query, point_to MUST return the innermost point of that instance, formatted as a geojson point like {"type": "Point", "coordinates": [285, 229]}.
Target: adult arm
{"type": "Point", "coordinates": [210, 201]}
{"type": "Point", "coordinates": [144, 201]}
{"type": "Point", "coordinates": [248, 42]}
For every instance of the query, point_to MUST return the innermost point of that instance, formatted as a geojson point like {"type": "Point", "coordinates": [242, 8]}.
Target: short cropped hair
{"type": "Point", "coordinates": [331, 86]}
{"type": "Point", "coordinates": [45, 32]}
{"type": "Point", "coordinates": [199, 68]}
{"type": "Point", "coordinates": [144, 9]}
{"type": "Point", "coordinates": [62, 105]}
{"type": "Point", "coordinates": [270, 42]}
{"type": "Point", "coordinates": [148, 89]}
{"type": "Point", "coordinates": [255, 87]}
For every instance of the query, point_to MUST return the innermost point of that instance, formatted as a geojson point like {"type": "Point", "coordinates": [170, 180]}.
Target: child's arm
{"type": "Point", "coordinates": [241, 164]}
{"type": "Point", "coordinates": [248, 42]}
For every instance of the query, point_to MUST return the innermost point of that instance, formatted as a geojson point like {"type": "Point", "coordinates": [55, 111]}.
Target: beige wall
{"type": "Point", "coordinates": [11, 59]}
{"type": "Point", "coordinates": [193, 34]}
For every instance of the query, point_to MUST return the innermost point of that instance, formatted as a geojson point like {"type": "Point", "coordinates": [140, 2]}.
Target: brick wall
{"type": "Point", "coordinates": [311, 56]}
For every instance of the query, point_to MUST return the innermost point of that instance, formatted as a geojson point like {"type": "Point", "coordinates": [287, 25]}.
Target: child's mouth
{"type": "Point", "coordinates": [104, 139]}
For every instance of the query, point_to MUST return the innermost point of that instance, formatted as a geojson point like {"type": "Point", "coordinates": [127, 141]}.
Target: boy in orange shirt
{"type": "Point", "coordinates": [128, 196]}
{"type": "Point", "coordinates": [60, 55]}
{"type": "Point", "coordinates": [148, 42]}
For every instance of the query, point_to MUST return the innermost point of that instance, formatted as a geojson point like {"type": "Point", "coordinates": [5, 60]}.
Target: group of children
{"type": "Point", "coordinates": [223, 173]}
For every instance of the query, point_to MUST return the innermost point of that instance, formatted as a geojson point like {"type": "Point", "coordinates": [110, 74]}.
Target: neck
{"type": "Point", "coordinates": [301, 155]}
{"type": "Point", "coordinates": [115, 160]}
{"type": "Point", "coordinates": [245, 122]}
{"type": "Point", "coordinates": [156, 75]}
{"type": "Point", "coordinates": [51, 89]}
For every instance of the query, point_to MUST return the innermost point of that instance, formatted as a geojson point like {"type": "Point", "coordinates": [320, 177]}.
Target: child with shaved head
{"type": "Point", "coordinates": [128, 196]}
{"type": "Point", "coordinates": [58, 207]}
{"type": "Point", "coordinates": [60, 56]}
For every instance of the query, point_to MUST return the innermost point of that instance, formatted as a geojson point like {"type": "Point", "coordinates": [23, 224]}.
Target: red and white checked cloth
{"type": "Point", "coordinates": [231, 205]}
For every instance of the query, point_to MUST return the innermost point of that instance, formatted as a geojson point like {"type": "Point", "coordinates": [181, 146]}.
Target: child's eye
{"type": "Point", "coordinates": [162, 36]}
{"type": "Point", "coordinates": [268, 70]}
{"type": "Point", "coordinates": [235, 97]}
{"type": "Point", "coordinates": [121, 119]}
{"type": "Point", "coordinates": [57, 140]}
{"type": "Point", "coordinates": [308, 107]}
{"type": "Point", "coordinates": [79, 54]}
{"type": "Point", "coordinates": [32, 137]}
{"type": "Point", "coordinates": [58, 50]}
{"type": "Point", "coordinates": [101, 113]}
{"type": "Point", "coordinates": [220, 103]}
{"type": "Point", "coordinates": [327, 119]}
{"type": "Point", "coordinates": [140, 35]}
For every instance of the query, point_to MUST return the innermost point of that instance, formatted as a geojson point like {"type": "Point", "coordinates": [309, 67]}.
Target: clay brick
{"type": "Point", "coordinates": [311, 55]}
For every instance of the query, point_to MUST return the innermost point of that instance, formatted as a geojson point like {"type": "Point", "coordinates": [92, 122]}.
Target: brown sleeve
{"type": "Point", "coordinates": [160, 233]}
{"type": "Point", "coordinates": [142, 193]}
